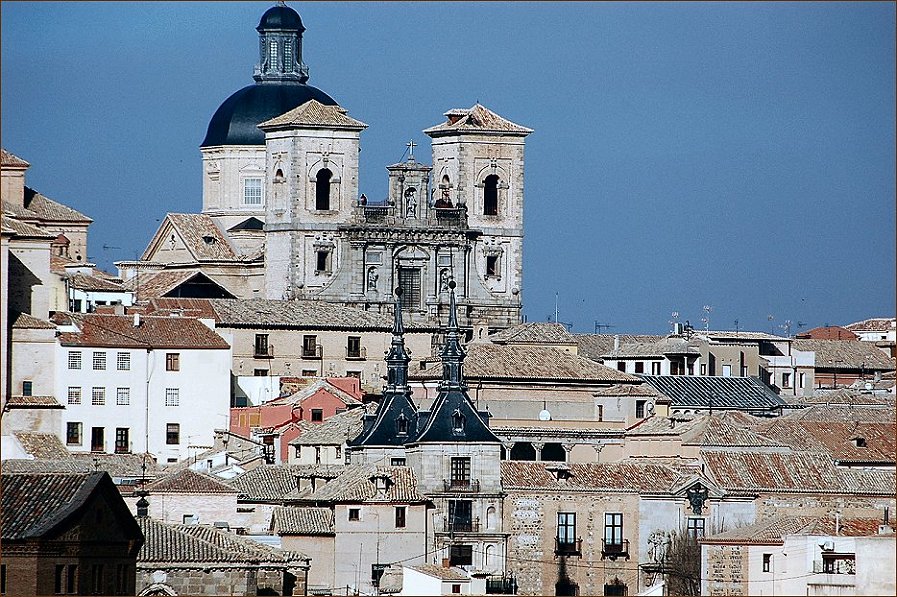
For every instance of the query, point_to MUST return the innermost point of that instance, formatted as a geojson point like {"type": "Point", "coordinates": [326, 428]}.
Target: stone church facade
{"type": "Point", "coordinates": [280, 179]}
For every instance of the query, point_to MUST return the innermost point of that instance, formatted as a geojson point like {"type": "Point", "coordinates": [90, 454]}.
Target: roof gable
{"type": "Point", "coordinates": [189, 481]}
{"type": "Point", "coordinates": [314, 114]}
{"type": "Point", "coordinates": [477, 119]}
{"type": "Point", "coordinates": [195, 233]}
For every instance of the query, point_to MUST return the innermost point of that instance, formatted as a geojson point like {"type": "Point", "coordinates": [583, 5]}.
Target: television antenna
{"type": "Point", "coordinates": [602, 326]}
{"type": "Point", "coordinates": [706, 319]}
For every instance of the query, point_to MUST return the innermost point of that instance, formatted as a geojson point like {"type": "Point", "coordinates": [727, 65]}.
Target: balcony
{"type": "Point", "coordinates": [611, 550]}
{"type": "Point", "coordinates": [357, 354]}
{"type": "Point", "coordinates": [567, 547]}
{"type": "Point", "coordinates": [451, 216]}
{"type": "Point", "coordinates": [501, 585]}
{"type": "Point", "coordinates": [264, 351]}
{"type": "Point", "coordinates": [388, 215]}
{"type": "Point", "coordinates": [309, 352]}
{"type": "Point", "coordinates": [375, 214]}
{"type": "Point", "coordinates": [461, 526]}
{"type": "Point", "coordinates": [461, 485]}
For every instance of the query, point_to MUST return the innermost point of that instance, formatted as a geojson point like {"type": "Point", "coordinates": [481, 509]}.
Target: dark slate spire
{"type": "Point", "coordinates": [397, 358]}
{"type": "Point", "coordinates": [280, 46]}
{"type": "Point", "coordinates": [452, 353]}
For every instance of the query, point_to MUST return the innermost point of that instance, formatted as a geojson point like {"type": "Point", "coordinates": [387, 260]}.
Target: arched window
{"type": "Point", "coordinates": [490, 554]}
{"type": "Point", "coordinates": [402, 425]}
{"type": "Point", "coordinates": [523, 451]}
{"type": "Point", "coordinates": [490, 521]}
{"type": "Point", "coordinates": [490, 195]}
{"type": "Point", "coordinates": [457, 422]}
{"type": "Point", "coordinates": [322, 189]}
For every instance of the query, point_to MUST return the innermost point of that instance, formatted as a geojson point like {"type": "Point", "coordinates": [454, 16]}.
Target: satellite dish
{"type": "Point", "coordinates": [869, 386]}
{"type": "Point", "coordinates": [544, 415]}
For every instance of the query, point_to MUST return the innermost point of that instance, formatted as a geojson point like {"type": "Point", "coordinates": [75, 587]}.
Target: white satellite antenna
{"type": "Point", "coordinates": [544, 415]}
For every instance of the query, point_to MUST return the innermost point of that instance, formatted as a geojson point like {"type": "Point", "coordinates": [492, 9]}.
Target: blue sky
{"type": "Point", "coordinates": [736, 155]}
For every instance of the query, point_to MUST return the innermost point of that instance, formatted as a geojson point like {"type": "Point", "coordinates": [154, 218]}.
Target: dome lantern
{"type": "Point", "coordinates": [280, 46]}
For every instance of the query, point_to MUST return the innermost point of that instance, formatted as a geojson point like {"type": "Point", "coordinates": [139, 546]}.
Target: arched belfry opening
{"type": "Point", "coordinates": [322, 189]}
{"type": "Point", "coordinates": [490, 195]}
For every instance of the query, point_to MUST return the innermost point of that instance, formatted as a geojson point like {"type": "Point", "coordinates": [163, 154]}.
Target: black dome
{"type": "Point", "coordinates": [280, 17]}
{"type": "Point", "coordinates": [236, 120]}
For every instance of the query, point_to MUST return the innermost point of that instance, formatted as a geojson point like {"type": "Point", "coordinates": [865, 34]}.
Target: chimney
{"type": "Point", "coordinates": [616, 341]}
{"type": "Point", "coordinates": [136, 320]}
{"type": "Point", "coordinates": [118, 308]}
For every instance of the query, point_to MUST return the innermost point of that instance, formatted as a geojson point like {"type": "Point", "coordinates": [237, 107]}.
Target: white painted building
{"type": "Point", "coordinates": [129, 384]}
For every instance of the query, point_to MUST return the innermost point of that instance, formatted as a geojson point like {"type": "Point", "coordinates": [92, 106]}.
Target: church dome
{"type": "Point", "coordinates": [236, 120]}
{"type": "Point", "coordinates": [280, 17]}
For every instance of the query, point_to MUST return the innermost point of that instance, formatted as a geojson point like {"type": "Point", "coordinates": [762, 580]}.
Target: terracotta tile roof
{"type": "Point", "coordinates": [41, 209]}
{"type": "Point", "coordinates": [476, 119]}
{"type": "Point", "coordinates": [845, 397]}
{"type": "Point", "coordinates": [22, 229]}
{"type": "Point", "coordinates": [188, 544]}
{"type": "Point", "coordinates": [729, 335]}
{"type": "Point", "coordinates": [640, 390]}
{"type": "Point", "coordinates": [118, 465]}
{"type": "Point", "coordinates": [32, 504]}
{"type": "Point", "coordinates": [534, 332]}
{"type": "Point", "coordinates": [189, 481]}
{"type": "Point", "coordinates": [27, 322]}
{"type": "Point", "coordinates": [258, 313]}
{"type": "Point", "coordinates": [269, 483]}
{"type": "Point", "coordinates": [313, 388]}
{"type": "Point", "coordinates": [297, 520]}
{"type": "Point", "coordinates": [847, 354]}
{"type": "Point", "coordinates": [94, 283]}
{"type": "Point", "coordinates": [188, 307]}
{"type": "Point", "coordinates": [844, 412]}
{"type": "Point", "coordinates": [118, 331]}
{"type": "Point", "coordinates": [874, 324]}
{"type": "Point", "coordinates": [334, 431]}
{"type": "Point", "coordinates": [835, 438]}
{"type": "Point", "coordinates": [314, 114]}
{"type": "Point", "coordinates": [355, 485]}
{"type": "Point", "coordinates": [720, 430]}
{"type": "Point", "coordinates": [774, 530]}
{"type": "Point", "coordinates": [202, 237]}
{"type": "Point", "coordinates": [441, 572]}
{"type": "Point", "coordinates": [43, 445]}
{"type": "Point", "coordinates": [585, 477]}
{"type": "Point", "coordinates": [151, 285]}
{"type": "Point", "coordinates": [9, 159]}
{"type": "Point", "coordinates": [16, 401]}
{"type": "Point", "coordinates": [22, 465]}
{"type": "Point", "coordinates": [517, 361]}
{"type": "Point", "coordinates": [775, 472]}
{"type": "Point", "coordinates": [593, 346]}
{"type": "Point", "coordinates": [705, 392]}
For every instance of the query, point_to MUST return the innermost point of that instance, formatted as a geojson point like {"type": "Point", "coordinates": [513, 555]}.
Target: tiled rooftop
{"type": "Point", "coordinates": [612, 477]}
{"type": "Point", "coordinates": [315, 114]}
{"type": "Point", "coordinates": [45, 446]}
{"type": "Point", "coordinates": [838, 438]}
{"type": "Point", "coordinates": [441, 572]}
{"type": "Point", "coordinates": [710, 392]}
{"type": "Point", "coordinates": [260, 313]}
{"type": "Point", "coordinates": [873, 324]}
{"type": "Point", "coordinates": [774, 530]}
{"type": "Point", "coordinates": [334, 431]}
{"type": "Point", "coordinates": [593, 346]}
{"type": "Point", "coordinates": [18, 401]}
{"type": "Point", "coordinates": [189, 481]}
{"type": "Point", "coordinates": [10, 159]}
{"type": "Point", "coordinates": [847, 354]}
{"type": "Point", "coordinates": [274, 483]}
{"type": "Point", "coordinates": [119, 331]}
{"type": "Point", "coordinates": [538, 332]}
{"type": "Point", "coordinates": [522, 362]}
{"type": "Point", "coordinates": [27, 322]}
{"type": "Point", "coordinates": [94, 283]}
{"type": "Point", "coordinates": [476, 119]}
{"type": "Point", "coordinates": [298, 520]}
{"type": "Point", "coordinates": [355, 485]}
{"type": "Point", "coordinates": [20, 228]}
{"type": "Point", "coordinates": [34, 503]}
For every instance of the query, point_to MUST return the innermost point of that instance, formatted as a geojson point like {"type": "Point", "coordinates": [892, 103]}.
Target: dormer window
{"type": "Point", "coordinates": [209, 240]}
{"type": "Point", "coordinates": [457, 422]}
{"type": "Point", "coordinates": [859, 441]}
{"type": "Point", "coordinates": [402, 425]}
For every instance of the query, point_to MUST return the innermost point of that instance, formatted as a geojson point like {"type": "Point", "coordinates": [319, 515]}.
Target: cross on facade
{"type": "Point", "coordinates": [410, 145]}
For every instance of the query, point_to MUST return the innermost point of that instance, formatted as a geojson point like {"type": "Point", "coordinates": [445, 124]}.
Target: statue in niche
{"type": "Point", "coordinates": [373, 277]}
{"type": "Point", "coordinates": [411, 203]}
{"type": "Point", "coordinates": [444, 281]}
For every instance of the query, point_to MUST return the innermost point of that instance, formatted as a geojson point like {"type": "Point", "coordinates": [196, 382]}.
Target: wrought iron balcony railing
{"type": "Point", "coordinates": [614, 549]}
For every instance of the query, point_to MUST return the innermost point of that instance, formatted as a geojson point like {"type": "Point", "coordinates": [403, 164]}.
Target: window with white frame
{"type": "Point", "coordinates": [74, 359]}
{"type": "Point", "coordinates": [172, 397]}
{"type": "Point", "coordinates": [98, 396]}
{"type": "Point", "coordinates": [123, 396]}
{"type": "Point", "coordinates": [74, 396]}
{"type": "Point", "coordinates": [123, 361]}
{"type": "Point", "coordinates": [99, 361]}
{"type": "Point", "coordinates": [252, 191]}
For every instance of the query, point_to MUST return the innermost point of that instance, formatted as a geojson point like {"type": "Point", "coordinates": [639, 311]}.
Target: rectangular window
{"type": "Point", "coordinates": [99, 361]}
{"type": "Point", "coordinates": [640, 409]}
{"type": "Point", "coordinates": [492, 266]}
{"type": "Point", "coordinates": [397, 462]}
{"type": "Point", "coordinates": [703, 368]}
{"type": "Point", "coordinates": [317, 454]}
{"type": "Point", "coordinates": [74, 359]}
{"type": "Point", "coordinates": [767, 562]}
{"type": "Point", "coordinates": [339, 452]}
{"type": "Point", "coordinates": [786, 380]}
{"type": "Point", "coordinates": [172, 434]}
{"type": "Point", "coordinates": [621, 366]}
{"type": "Point", "coordinates": [400, 517]}
{"type": "Point", "coordinates": [71, 579]}
{"type": "Point", "coordinates": [189, 519]}
{"type": "Point", "coordinates": [123, 396]}
{"type": "Point", "coordinates": [613, 529]}
{"type": "Point", "coordinates": [461, 555]}
{"type": "Point", "coordinates": [173, 361]}
{"type": "Point", "coordinates": [74, 396]}
{"type": "Point", "coordinates": [655, 368]}
{"type": "Point", "coordinates": [322, 262]}
{"type": "Point", "coordinates": [460, 516]}
{"type": "Point", "coordinates": [566, 528]}
{"type": "Point", "coordinates": [252, 191]}
{"type": "Point", "coordinates": [409, 281]}
{"type": "Point", "coordinates": [309, 346]}
{"type": "Point", "coordinates": [97, 578]}
{"type": "Point", "coordinates": [317, 415]}
{"type": "Point", "coordinates": [355, 374]}
{"type": "Point", "coordinates": [456, 589]}
{"type": "Point", "coordinates": [353, 347]}
{"type": "Point", "coordinates": [73, 433]}
{"type": "Point", "coordinates": [727, 370]}
{"type": "Point", "coordinates": [27, 388]}
{"type": "Point", "coordinates": [460, 470]}
{"type": "Point", "coordinates": [309, 373]}
{"type": "Point", "coordinates": [801, 379]}
{"type": "Point", "coordinates": [123, 361]}
{"type": "Point", "coordinates": [695, 527]}
{"type": "Point", "coordinates": [639, 367]}
{"type": "Point", "coordinates": [260, 372]}
{"type": "Point", "coordinates": [97, 439]}
{"type": "Point", "coordinates": [2, 579]}
{"type": "Point", "coordinates": [122, 440]}
{"type": "Point", "coordinates": [354, 514]}
{"type": "Point", "coordinates": [599, 412]}
{"type": "Point", "coordinates": [59, 579]}
{"type": "Point", "coordinates": [172, 397]}
{"type": "Point", "coordinates": [98, 396]}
